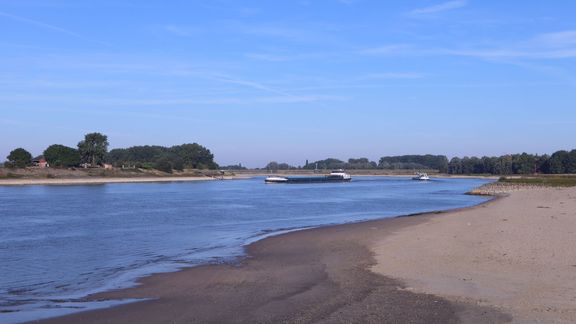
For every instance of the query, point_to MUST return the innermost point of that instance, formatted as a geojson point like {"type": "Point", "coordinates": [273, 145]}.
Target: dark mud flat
{"type": "Point", "coordinates": [318, 275]}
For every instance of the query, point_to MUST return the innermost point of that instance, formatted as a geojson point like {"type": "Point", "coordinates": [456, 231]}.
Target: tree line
{"type": "Point", "coordinates": [428, 161]}
{"type": "Point", "coordinates": [330, 163]}
{"type": "Point", "coordinates": [92, 151]}
{"type": "Point", "coordinates": [557, 163]}
{"type": "Point", "coordinates": [436, 162]}
{"type": "Point", "coordinates": [178, 157]}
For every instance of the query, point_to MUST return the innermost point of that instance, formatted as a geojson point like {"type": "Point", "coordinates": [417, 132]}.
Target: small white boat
{"type": "Point", "coordinates": [421, 176]}
{"type": "Point", "coordinates": [275, 179]}
{"type": "Point", "coordinates": [339, 175]}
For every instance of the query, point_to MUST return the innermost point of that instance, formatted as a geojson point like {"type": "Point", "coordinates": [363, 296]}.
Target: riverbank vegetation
{"type": "Point", "coordinates": [179, 157]}
{"type": "Point", "coordinates": [542, 180]}
{"type": "Point", "coordinates": [92, 152]}
{"type": "Point", "coordinates": [561, 162]}
{"type": "Point", "coordinates": [558, 163]}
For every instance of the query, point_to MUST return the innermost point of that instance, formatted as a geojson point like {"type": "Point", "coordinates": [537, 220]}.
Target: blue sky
{"type": "Point", "coordinates": [257, 81]}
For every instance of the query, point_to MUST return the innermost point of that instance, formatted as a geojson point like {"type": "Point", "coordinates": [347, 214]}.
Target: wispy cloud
{"type": "Point", "coordinates": [47, 26]}
{"type": "Point", "coordinates": [183, 31]}
{"type": "Point", "coordinates": [480, 53]}
{"type": "Point", "coordinates": [557, 45]}
{"type": "Point", "coordinates": [390, 75]}
{"type": "Point", "coordinates": [305, 32]}
{"type": "Point", "coordinates": [236, 27]}
{"type": "Point", "coordinates": [287, 57]}
{"type": "Point", "coordinates": [510, 53]}
{"type": "Point", "coordinates": [445, 6]}
{"type": "Point", "coordinates": [40, 24]}
{"type": "Point", "coordinates": [250, 84]}
{"type": "Point", "coordinates": [558, 39]}
{"type": "Point", "coordinates": [141, 102]}
{"type": "Point", "coordinates": [387, 49]}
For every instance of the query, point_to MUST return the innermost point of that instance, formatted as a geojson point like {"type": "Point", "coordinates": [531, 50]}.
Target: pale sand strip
{"type": "Point", "coordinates": [86, 181]}
{"type": "Point", "coordinates": [517, 253]}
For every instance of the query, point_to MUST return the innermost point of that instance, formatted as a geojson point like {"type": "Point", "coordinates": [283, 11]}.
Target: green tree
{"type": "Point", "coordinates": [93, 148]}
{"type": "Point", "coordinates": [195, 156]}
{"type": "Point", "coordinates": [455, 166]}
{"type": "Point", "coordinates": [428, 161]}
{"type": "Point", "coordinates": [558, 162]}
{"type": "Point", "coordinates": [62, 156]}
{"type": "Point", "coordinates": [163, 165]}
{"type": "Point", "coordinates": [19, 158]}
{"type": "Point", "coordinates": [524, 163]}
{"type": "Point", "coordinates": [272, 166]}
{"type": "Point", "coordinates": [330, 163]}
{"type": "Point", "coordinates": [571, 162]}
{"type": "Point", "coordinates": [275, 166]}
{"type": "Point", "coordinates": [361, 163]}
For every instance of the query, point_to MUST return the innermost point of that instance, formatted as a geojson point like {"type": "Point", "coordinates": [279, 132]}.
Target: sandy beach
{"type": "Point", "coordinates": [517, 253]}
{"type": "Point", "coordinates": [512, 259]}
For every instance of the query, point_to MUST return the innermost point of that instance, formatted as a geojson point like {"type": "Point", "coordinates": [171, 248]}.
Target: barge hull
{"type": "Point", "coordinates": [309, 180]}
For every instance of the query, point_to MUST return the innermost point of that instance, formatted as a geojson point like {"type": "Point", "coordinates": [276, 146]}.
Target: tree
{"type": "Point", "coordinates": [428, 161]}
{"type": "Point", "coordinates": [93, 148]}
{"type": "Point", "coordinates": [163, 165]}
{"type": "Point", "coordinates": [179, 156]}
{"type": "Point", "coordinates": [137, 155]}
{"type": "Point", "coordinates": [361, 163]}
{"type": "Point", "coordinates": [195, 156]}
{"type": "Point", "coordinates": [272, 166]}
{"type": "Point", "coordinates": [558, 162]}
{"type": "Point", "coordinates": [63, 156]}
{"type": "Point", "coordinates": [524, 163]}
{"type": "Point", "coordinates": [570, 164]}
{"type": "Point", "coordinates": [455, 166]}
{"type": "Point", "coordinates": [19, 158]}
{"type": "Point", "coordinates": [329, 163]}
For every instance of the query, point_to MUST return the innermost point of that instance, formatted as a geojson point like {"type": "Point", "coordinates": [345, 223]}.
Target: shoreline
{"type": "Point", "coordinates": [106, 180]}
{"type": "Point", "coordinates": [149, 179]}
{"type": "Point", "coordinates": [165, 286]}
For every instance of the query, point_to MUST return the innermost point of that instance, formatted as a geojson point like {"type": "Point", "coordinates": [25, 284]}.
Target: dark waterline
{"type": "Point", "coordinates": [60, 243]}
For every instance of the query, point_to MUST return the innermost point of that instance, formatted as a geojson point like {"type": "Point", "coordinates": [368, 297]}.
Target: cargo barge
{"type": "Point", "coordinates": [334, 176]}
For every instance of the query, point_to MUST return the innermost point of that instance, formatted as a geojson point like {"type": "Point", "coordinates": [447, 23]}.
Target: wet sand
{"type": "Point", "coordinates": [319, 275]}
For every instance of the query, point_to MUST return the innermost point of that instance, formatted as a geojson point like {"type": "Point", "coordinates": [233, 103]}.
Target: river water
{"type": "Point", "coordinates": [60, 243]}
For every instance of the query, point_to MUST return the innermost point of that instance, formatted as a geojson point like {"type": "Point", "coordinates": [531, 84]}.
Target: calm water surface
{"type": "Point", "coordinates": [59, 243]}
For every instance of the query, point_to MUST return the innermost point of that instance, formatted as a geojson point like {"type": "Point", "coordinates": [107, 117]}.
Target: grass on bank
{"type": "Point", "coordinates": [546, 181]}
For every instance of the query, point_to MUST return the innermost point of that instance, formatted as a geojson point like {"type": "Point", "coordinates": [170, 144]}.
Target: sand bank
{"type": "Point", "coordinates": [103, 180]}
{"type": "Point", "coordinates": [517, 253]}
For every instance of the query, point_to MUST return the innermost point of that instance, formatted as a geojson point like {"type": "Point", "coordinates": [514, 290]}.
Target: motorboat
{"type": "Point", "coordinates": [421, 176]}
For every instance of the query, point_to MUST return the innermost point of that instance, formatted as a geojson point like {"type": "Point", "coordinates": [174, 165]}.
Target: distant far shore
{"type": "Point", "coordinates": [61, 176]}
{"type": "Point", "coordinates": [49, 176]}
{"type": "Point", "coordinates": [53, 176]}
{"type": "Point", "coordinates": [103, 180]}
